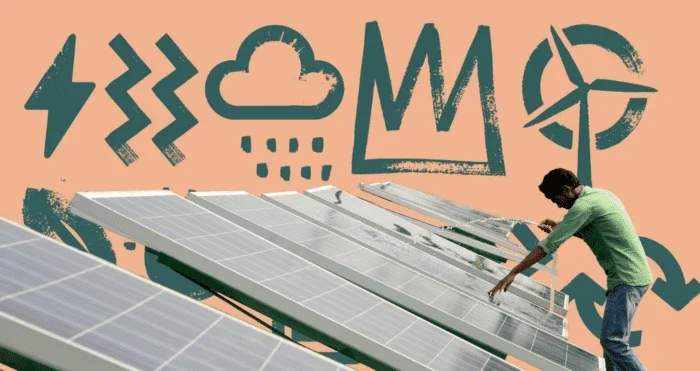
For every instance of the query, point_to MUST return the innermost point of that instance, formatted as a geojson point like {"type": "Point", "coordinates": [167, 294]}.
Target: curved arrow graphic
{"type": "Point", "coordinates": [674, 291]}
{"type": "Point", "coordinates": [586, 292]}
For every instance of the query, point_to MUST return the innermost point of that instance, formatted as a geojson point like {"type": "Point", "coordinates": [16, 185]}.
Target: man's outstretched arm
{"type": "Point", "coordinates": [533, 257]}
{"type": "Point", "coordinates": [574, 220]}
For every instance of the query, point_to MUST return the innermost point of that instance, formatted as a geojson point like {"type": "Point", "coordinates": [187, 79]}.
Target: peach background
{"type": "Point", "coordinates": [649, 170]}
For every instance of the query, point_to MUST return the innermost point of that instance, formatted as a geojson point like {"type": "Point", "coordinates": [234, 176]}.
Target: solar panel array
{"type": "Point", "coordinates": [399, 283]}
{"type": "Point", "coordinates": [408, 255]}
{"type": "Point", "coordinates": [70, 310]}
{"type": "Point", "coordinates": [348, 316]}
{"type": "Point", "coordinates": [380, 218]}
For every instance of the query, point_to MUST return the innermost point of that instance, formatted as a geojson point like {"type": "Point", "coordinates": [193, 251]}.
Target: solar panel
{"type": "Point", "coordinates": [405, 286]}
{"type": "Point", "coordinates": [66, 309]}
{"type": "Point", "coordinates": [446, 211]}
{"type": "Point", "coordinates": [280, 284]}
{"type": "Point", "coordinates": [404, 253]}
{"type": "Point", "coordinates": [380, 218]}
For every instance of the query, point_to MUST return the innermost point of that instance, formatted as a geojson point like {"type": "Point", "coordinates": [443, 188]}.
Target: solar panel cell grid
{"type": "Point", "coordinates": [122, 319]}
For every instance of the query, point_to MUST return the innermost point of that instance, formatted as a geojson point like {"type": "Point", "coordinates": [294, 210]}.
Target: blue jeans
{"type": "Point", "coordinates": [620, 307]}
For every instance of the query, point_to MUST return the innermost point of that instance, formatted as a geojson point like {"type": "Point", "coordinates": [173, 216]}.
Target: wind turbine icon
{"type": "Point", "coordinates": [580, 95]}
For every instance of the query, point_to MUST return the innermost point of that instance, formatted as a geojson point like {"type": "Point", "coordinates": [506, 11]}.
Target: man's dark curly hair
{"type": "Point", "coordinates": [556, 179]}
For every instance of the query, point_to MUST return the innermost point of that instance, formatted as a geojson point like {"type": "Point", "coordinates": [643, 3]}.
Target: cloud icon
{"type": "Point", "coordinates": [271, 84]}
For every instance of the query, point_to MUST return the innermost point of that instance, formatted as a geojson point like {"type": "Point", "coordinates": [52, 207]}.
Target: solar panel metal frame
{"type": "Point", "coordinates": [514, 288]}
{"type": "Point", "coordinates": [467, 330]}
{"type": "Point", "coordinates": [272, 198]}
{"type": "Point", "coordinates": [57, 353]}
{"type": "Point", "coordinates": [245, 290]}
{"type": "Point", "coordinates": [503, 241]}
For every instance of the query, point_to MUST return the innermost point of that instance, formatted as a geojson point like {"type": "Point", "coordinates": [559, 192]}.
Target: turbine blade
{"type": "Point", "coordinates": [569, 65]}
{"type": "Point", "coordinates": [561, 105]}
{"type": "Point", "coordinates": [620, 86]}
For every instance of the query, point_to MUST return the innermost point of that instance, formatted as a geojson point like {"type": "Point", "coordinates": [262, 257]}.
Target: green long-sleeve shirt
{"type": "Point", "coordinates": [600, 219]}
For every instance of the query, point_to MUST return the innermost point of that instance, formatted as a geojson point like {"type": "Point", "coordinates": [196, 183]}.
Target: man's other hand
{"type": "Point", "coordinates": [547, 225]}
{"type": "Point", "coordinates": [503, 284]}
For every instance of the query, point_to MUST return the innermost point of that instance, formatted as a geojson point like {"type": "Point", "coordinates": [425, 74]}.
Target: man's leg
{"type": "Point", "coordinates": [620, 307]}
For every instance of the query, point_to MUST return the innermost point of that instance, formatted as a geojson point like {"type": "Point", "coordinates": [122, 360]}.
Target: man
{"type": "Point", "coordinates": [598, 217]}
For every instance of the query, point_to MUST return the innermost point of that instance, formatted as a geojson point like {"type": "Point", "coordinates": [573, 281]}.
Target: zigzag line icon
{"type": "Point", "coordinates": [165, 91]}
{"type": "Point", "coordinates": [118, 91]}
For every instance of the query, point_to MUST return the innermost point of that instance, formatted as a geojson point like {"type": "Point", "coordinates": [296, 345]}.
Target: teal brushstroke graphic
{"type": "Point", "coordinates": [326, 172]}
{"type": "Point", "coordinates": [306, 172]}
{"type": "Point", "coordinates": [60, 96]}
{"type": "Point", "coordinates": [586, 292]}
{"type": "Point", "coordinates": [583, 34]}
{"type": "Point", "coordinates": [118, 90]}
{"type": "Point", "coordinates": [48, 213]}
{"type": "Point", "coordinates": [673, 290]}
{"type": "Point", "coordinates": [309, 64]}
{"type": "Point", "coordinates": [293, 145]}
{"type": "Point", "coordinates": [272, 145]}
{"type": "Point", "coordinates": [246, 144]}
{"type": "Point", "coordinates": [375, 71]}
{"type": "Point", "coordinates": [165, 91]}
{"type": "Point", "coordinates": [615, 134]}
{"type": "Point", "coordinates": [317, 144]}
{"type": "Point", "coordinates": [561, 135]}
{"type": "Point", "coordinates": [166, 276]}
{"type": "Point", "coordinates": [261, 170]}
{"type": "Point", "coordinates": [285, 173]}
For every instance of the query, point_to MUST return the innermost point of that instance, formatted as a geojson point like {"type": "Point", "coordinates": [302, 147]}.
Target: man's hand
{"type": "Point", "coordinates": [547, 225]}
{"type": "Point", "coordinates": [533, 257]}
{"type": "Point", "coordinates": [504, 284]}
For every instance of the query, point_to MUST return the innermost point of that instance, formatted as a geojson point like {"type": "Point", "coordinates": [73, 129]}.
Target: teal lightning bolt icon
{"type": "Point", "coordinates": [60, 96]}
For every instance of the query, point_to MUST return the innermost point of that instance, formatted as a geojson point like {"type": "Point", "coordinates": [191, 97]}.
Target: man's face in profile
{"type": "Point", "coordinates": [563, 199]}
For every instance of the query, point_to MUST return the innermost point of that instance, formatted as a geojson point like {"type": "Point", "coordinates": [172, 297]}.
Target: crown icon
{"type": "Point", "coordinates": [375, 72]}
